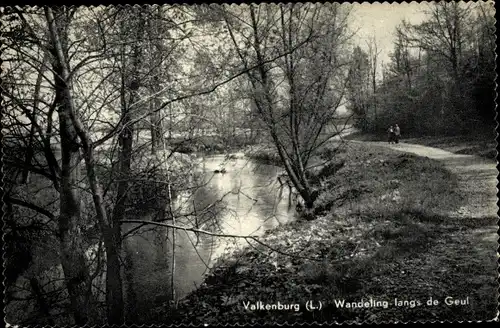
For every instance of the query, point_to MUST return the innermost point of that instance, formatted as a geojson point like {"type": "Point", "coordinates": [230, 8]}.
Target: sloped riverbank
{"type": "Point", "coordinates": [382, 247]}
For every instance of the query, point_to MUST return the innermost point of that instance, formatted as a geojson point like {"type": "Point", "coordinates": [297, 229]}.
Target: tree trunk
{"type": "Point", "coordinates": [304, 192]}
{"type": "Point", "coordinates": [125, 159]}
{"type": "Point", "coordinates": [42, 303]}
{"type": "Point", "coordinates": [113, 246]}
{"type": "Point", "coordinates": [154, 139]}
{"type": "Point", "coordinates": [72, 253]}
{"type": "Point", "coordinates": [72, 256]}
{"type": "Point", "coordinates": [130, 293]}
{"type": "Point", "coordinates": [114, 284]}
{"type": "Point", "coordinates": [156, 126]}
{"type": "Point", "coordinates": [25, 179]}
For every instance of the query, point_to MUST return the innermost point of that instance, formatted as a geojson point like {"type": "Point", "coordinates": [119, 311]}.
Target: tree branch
{"type": "Point", "coordinates": [120, 124]}
{"type": "Point", "coordinates": [19, 202]}
{"type": "Point", "coordinates": [254, 238]}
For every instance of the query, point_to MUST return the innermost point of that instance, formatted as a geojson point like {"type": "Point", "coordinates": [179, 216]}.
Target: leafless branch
{"type": "Point", "coordinates": [254, 238]}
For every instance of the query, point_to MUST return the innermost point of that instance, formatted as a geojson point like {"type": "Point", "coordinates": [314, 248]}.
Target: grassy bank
{"type": "Point", "coordinates": [378, 238]}
{"type": "Point", "coordinates": [479, 143]}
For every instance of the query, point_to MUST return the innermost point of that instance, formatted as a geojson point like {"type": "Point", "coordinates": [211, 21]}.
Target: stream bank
{"type": "Point", "coordinates": [379, 237]}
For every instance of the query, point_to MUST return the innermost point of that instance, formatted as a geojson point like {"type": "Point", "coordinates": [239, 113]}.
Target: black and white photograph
{"type": "Point", "coordinates": [249, 163]}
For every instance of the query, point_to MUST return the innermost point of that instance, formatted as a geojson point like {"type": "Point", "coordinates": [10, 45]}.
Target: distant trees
{"type": "Point", "coordinates": [358, 85]}
{"type": "Point", "coordinates": [440, 78]}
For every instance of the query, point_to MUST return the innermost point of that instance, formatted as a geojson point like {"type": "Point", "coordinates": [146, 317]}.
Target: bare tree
{"type": "Point", "coordinates": [435, 78]}
{"type": "Point", "coordinates": [72, 258]}
{"type": "Point", "coordinates": [446, 37]}
{"type": "Point", "coordinates": [373, 55]}
{"type": "Point", "coordinates": [295, 102]}
{"type": "Point", "coordinates": [358, 85]}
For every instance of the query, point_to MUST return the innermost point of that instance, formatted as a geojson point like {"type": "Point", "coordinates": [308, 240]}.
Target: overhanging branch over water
{"type": "Point", "coordinates": [173, 226]}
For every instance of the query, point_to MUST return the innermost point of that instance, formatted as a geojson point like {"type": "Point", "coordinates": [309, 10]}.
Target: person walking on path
{"type": "Point", "coordinates": [397, 133]}
{"type": "Point", "coordinates": [390, 131]}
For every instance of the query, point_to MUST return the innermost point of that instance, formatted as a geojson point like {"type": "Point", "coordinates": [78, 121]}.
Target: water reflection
{"type": "Point", "coordinates": [243, 201]}
{"type": "Point", "coordinates": [246, 200]}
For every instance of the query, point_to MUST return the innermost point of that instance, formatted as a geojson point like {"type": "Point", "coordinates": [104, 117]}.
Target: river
{"type": "Point", "coordinates": [248, 202]}
{"type": "Point", "coordinates": [245, 200]}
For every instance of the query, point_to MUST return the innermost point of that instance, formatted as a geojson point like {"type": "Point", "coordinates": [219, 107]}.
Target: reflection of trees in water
{"type": "Point", "coordinates": [275, 203]}
{"type": "Point", "coordinates": [238, 202]}
{"type": "Point", "coordinates": [146, 268]}
{"type": "Point", "coordinates": [148, 251]}
{"type": "Point", "coordinates": [205, 205]}
{"type": "Point", "coordinates": [248, 192]}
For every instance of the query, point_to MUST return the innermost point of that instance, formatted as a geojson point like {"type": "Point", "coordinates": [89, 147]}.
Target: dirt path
{"type": "Point", "coordinates": [477, 181]}
{"type": "Point", "coordinates": [469, 253]}
{"type": "Point", "coordinates": [477, 178]}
